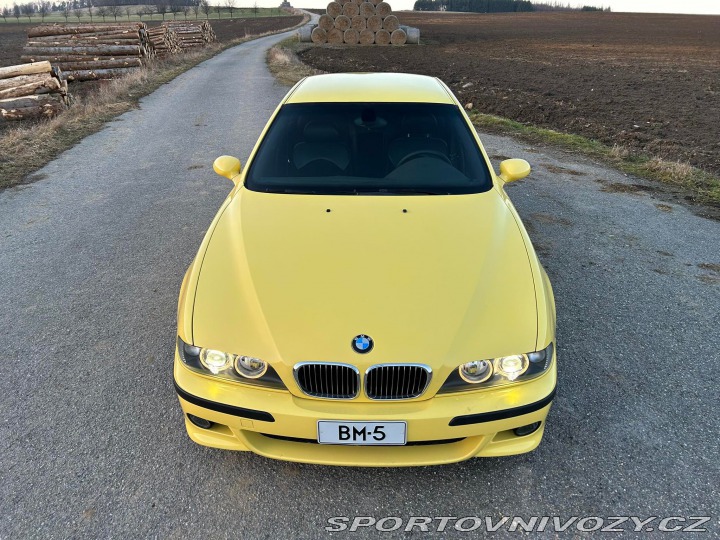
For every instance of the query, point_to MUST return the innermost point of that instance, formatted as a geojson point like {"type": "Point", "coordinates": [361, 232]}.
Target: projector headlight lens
{"type": "Point", "coordinates": [250, 367]}
{"type": "Point", "coordinates": [214, 361]}
{"type": "Point", "coordinates": [511, 367]}
{"type": "Point", "coordinates": [476, 371]}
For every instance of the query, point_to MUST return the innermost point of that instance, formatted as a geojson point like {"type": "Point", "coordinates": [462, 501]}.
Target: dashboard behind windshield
{"type": "Point", "coordinates": [369, 148]}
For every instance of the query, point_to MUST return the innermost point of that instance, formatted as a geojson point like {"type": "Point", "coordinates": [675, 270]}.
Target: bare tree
{"type": "Point", "coordinates": [185, 10]}
{"type": "Point", "coordinates": [128, 12]}
{"type": "Point", "coordinates": [115, 12]}
{"type": "Point", "coordinates": [91, 9]}
{"type": "Point", "coordinates": [205, 7]}
{"type": "Point", "coordinates": [17, 12]}
{"type": "Point", "coordinates": [255, 8]}
{"type": "Point", "coordinates": [174, 8]}
{"type": "Point", "coordinates": [28, 10]}
{"type": "Point", "coordinates": [78, 12]}
{"type": "Point", "coordinates": [161, 7]}
{"type": "Point", "coordinates": [196, 8]}
{"type": "Point", "coordinates": [218, 10]}
{"type": "Point", "coordinates": [43, 9]}
{"type": "Point", "coordinates": [6, 13]}
{"type": "Point", "coordinates": [65, 6]}
{"type": "Point", "coordinates": [103, 12]}
{"type": "Point", "coordinates": [230, 4]}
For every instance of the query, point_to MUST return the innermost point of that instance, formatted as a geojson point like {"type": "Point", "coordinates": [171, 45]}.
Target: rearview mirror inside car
{"type": "Point", "coordinates": [514, 169]}
{"type": "Point", "coordinates": [228, 166]}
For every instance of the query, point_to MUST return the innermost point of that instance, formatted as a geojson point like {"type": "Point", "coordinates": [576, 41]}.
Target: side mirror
{"type": "Point", "coordinates": [227, 166]}
{"type": "Point", "coordinates": [514, 169]}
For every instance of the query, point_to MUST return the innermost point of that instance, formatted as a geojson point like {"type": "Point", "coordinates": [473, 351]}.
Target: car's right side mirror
{"type": "Point", "coordinates": [227, 166]}
{"type": "Point", "coordinates": [514, 169]}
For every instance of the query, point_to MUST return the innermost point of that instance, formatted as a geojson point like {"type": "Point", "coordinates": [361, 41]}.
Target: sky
{"type": "Point", "coordinates": [709, 7]}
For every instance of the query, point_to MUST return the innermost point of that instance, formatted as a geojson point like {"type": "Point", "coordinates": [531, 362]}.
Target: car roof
{"type": "Point", "coordinates": [370, 88]}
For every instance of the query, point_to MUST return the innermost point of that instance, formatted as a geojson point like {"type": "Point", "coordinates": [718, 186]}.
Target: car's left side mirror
{"type": "Point", "coordinates": [228, 166]}
{"type": "Point", "coordinates": [514, 169]}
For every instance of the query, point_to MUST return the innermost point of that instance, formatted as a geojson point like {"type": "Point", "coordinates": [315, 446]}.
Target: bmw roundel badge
{"type": "Point", "coordinates": [362, 344]}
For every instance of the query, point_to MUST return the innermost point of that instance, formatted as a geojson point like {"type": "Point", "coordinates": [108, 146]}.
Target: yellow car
{"type": "Point", "coordinates": [367, 294]}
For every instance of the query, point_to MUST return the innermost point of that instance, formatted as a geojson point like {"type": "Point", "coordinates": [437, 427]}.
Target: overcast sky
{"type": "Point", "coordinates": [651, 6]}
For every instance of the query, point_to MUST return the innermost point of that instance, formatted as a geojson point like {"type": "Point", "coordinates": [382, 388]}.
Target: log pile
{"type": "Point", "coordinates": [364, 22]}
{"type": "Point", "coordinates": [90, 51]}
{"type": "Point", "coordinates": [192, 33]}
{"type": "Point", "coordinates": [164, 40]}
{"type": "Point", "coordinates": [33, 90]}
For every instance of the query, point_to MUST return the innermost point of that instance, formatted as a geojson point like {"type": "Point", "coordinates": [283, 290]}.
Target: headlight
{"type": "Point", "coordinates": [229, 366]}
{"type": "Point", "coordinates": [498, 371]}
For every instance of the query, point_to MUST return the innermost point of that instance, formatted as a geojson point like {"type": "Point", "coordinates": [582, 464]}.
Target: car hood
{"type": "Point", "coordinates": [439, 280]}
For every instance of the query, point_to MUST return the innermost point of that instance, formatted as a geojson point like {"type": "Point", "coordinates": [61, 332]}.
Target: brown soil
{"type": "Point", "coordinates": [647, 82]}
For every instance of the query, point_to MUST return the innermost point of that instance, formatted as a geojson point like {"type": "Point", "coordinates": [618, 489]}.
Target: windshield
{"type": "Point", "coordinates": [369, 148]}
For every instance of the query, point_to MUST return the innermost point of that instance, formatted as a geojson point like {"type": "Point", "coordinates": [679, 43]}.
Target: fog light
{"type": "Point", "coordinates": [526, 430]}
{"type": "Point", "coordinates": [200, 422]}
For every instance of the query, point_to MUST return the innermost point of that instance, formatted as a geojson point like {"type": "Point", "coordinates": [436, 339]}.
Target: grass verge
{"type": "Point", "coordinates": [284, 64]}
{"type": "Point", "coordinates": [30, 146]}
{"type": "Point", "coordinates": [703, 187]}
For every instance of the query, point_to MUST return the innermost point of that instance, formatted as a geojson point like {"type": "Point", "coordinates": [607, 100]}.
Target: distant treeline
{"type": "Point", "coordinates": [497, 6]}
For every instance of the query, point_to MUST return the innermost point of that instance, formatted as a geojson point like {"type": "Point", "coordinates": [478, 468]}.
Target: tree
{"type": "Point", "coordinates": [65, 6]}
{"type": "Point", "coordinates": [205, 7]}
{"type": "Point", "coordinates": [6, 13]}
{"type": "Point", "coordinates": [103, 12]}
{"type": "Point", "coordinates": [196, 8]}
{"type": "Point", "coordinates": [255, 8]}
{"type": "Point", "coordinates": [218, 10]}
{"type": "Point", "coordinates": [78, 12]}
{"type": "Point", "coordinates": [28, 10]}
{"type": "Point", "coordinates": [43, 9]}
{"type": "Point", "coordinates": [91, 9]}
{"type": "Point", "coordinates": [128, 12]}
{"type": "Point", "coordinates": [185, 10]}
{"type": "Point", "coordinates": [17, 12]}
{"type": "Point", "coordinates": [115, 12]}
{"type": "Point", "coordinates": [175, 8]}
{"type": "Point", "coordinates": [230, 4]}
{"type": "Point", "coordinates": [161, 7]}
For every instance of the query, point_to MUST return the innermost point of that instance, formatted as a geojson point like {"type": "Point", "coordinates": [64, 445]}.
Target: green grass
{"type": "Point", "coordinates": [705, 187]}
{"type": "Point", "coordinates": [238, 13]}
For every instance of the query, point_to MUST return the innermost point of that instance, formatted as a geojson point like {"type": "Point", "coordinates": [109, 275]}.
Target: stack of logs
{"type": "Point", "coordinates": [192, 33]}
{"type": "Point", "coordinates": [164, 40]}
{"type": "Point", "coordinates": [90, 51]}
{"type": "Point", "coordinates": [365, 22]}
{"type": "Point", "coordinates": [32, 91]}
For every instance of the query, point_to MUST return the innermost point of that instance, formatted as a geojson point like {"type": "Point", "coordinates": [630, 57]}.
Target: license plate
{"type": "Point", "coordinates": [362, 433]}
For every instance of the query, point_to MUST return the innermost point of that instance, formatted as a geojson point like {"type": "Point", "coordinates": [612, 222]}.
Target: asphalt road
{"type": "Point", "coordinates": [91, 259]}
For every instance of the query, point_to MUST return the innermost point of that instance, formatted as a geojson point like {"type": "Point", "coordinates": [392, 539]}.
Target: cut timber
{"type": "Point", "coordinates": [383, 9]}
{"type": "Point", "coordinates": [24, 69]}
{"type": "Point", "coordinates": [28, 101]}
{"type": "Point", "coordinates": [95, 74]}
{"type": "Point", "coordinates": [107, 50]}
{"type": "Point", "coordinates": [22, 79]}
{"type": "Point", "coordinates": [102, 64]}
{"type": "Point", "coordinates": [367, 37]}
{"type": "Point", "coordinates": [351, 9]}
{"type": "Point", "coordinates": [391, 23]}
{"type": "Point", "coordinates": [69, 29]}
{"type": "Point", "coordinates": [375, 2]}
{"type": "Point", "coordinates": [374, 23]}
{"type": "Point", "coordinates": [342, 23]}
{"type": "Point", "coordinates": [398, 37]}
{"type": "Point", "coordinates": [25, 113]}
{"type": "Point", "coordinates": [351, 36]}
{"type": "Point", "coordinates": [358, 23]}
{"type": "Point", "coordinates": [319, 35]}
{"type": "Point", "coordinates": [334, 9]}
{"type": "Point", "coordinates": [382, 37]}
{"type": "Point", "coordinates": [344, 2]}
{"type": "Point", "coordinates": [335, 37]}
{"type": "Point", "coordinates": [326, 22]}
{"type": "Point", "coordinates": [46, 86]}
{"type": "Point", "coordinates": [367, 9]}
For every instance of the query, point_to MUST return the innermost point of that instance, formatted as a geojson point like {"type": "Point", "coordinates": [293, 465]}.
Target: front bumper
{"type": "Point", "coordinates": [444, 429]}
